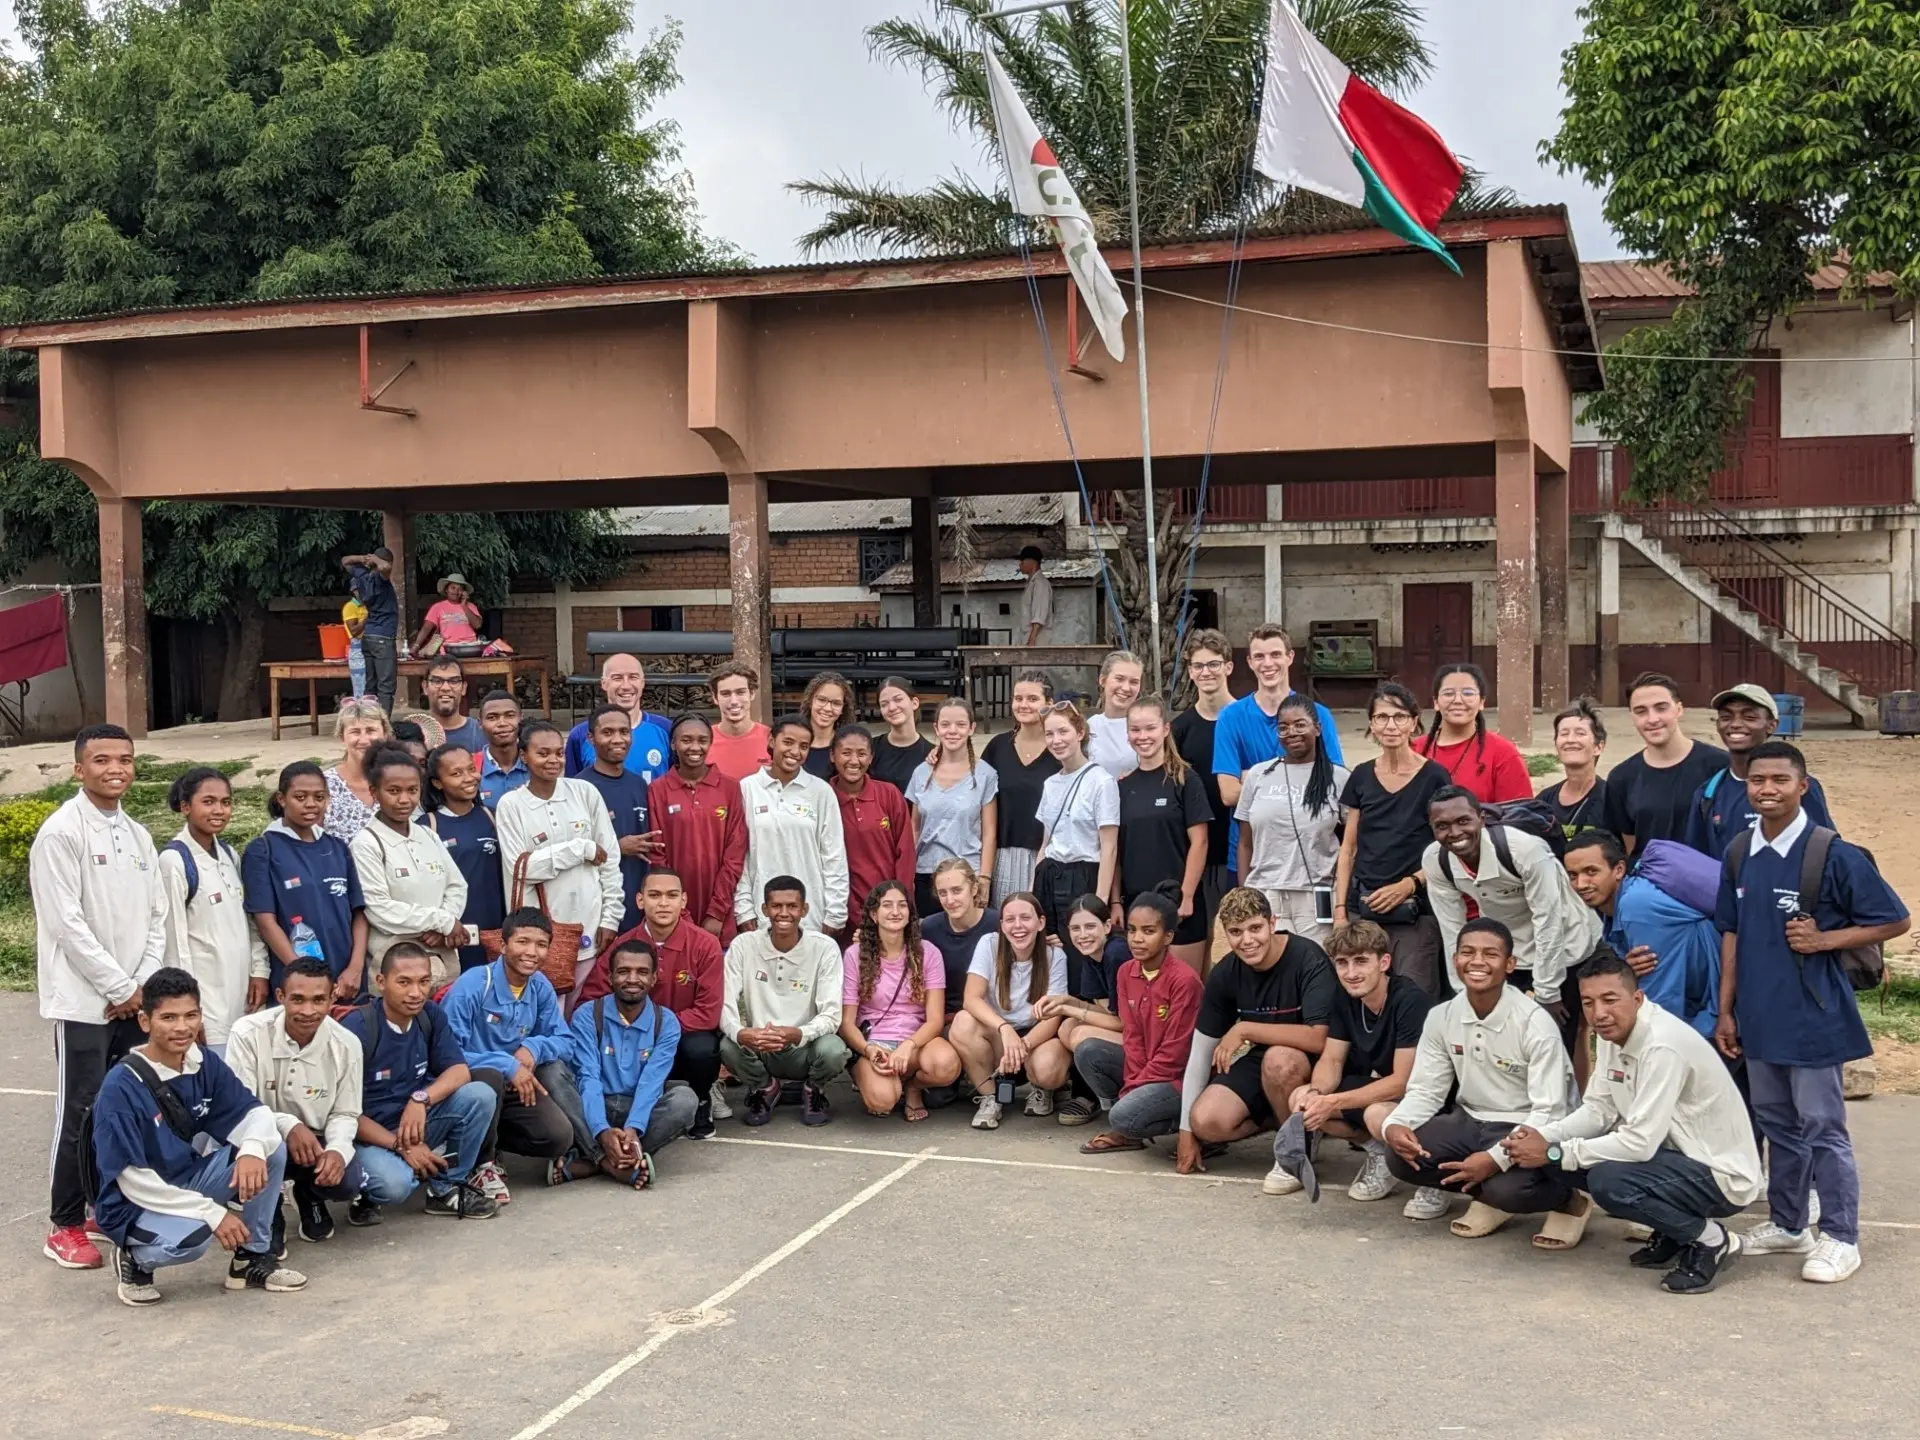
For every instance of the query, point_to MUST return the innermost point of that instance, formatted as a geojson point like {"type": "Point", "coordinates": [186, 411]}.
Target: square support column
{"type": "Point", "coordinates": [747, 575]}
{"type": "Point", "coordinates": [1606, 629]}
{"type": "Point", "coordinates": [1514, 583]}
{"type": "Point", "coordinates": [1555, 663]}
{"type": "Point", "coordinates": [1273, 590]}
{"type": "Point", "coordinates": [924, 542]}
{"type": "Point", "coordinates": [396, 533]}
{"type": "Point", "coordinates": [123, 614]}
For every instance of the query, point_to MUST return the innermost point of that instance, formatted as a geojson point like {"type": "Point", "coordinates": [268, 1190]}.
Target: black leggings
{"type": "Point", "coordinates": [697, 1061]}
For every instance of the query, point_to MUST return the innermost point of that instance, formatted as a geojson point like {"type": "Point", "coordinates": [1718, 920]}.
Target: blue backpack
{"type": "Point", "coordinates": [192, 865]}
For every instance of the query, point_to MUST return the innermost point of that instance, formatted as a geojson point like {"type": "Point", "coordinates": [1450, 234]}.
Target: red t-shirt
{"type": "Point", "coordinates": [1489, 765]}
{"type": "Point", "coordinates": [1156, 1022]}
{"type": "Point", "coordinates": [738, 756]}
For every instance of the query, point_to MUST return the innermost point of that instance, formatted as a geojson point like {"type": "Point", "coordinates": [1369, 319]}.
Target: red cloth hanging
{"type": "Point", "coordinates": [33, 639]}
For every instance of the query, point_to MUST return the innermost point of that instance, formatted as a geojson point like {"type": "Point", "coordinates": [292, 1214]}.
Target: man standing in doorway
{"type": "Point", "coordinates": [1248, 730]}
{"type": "Point", "coordinates": [1036, 598]}
{"type": "Point", "coordinates": [1210, 667]}
{"type": "Point", "coordinates": [446, 686]}
{"type": "Point", "coordinates": [1649, 794]}
{"type": "Point", "coordinates": [623, 682]}
{"type": "Point", "coordinates": [370, 577]}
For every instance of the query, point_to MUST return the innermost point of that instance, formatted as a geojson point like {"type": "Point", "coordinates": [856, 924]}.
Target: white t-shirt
{"type": "Point", "coordinates": [1074, 807]}
{"type": "Point", "coordinates": [1019, 1013]}
{"type": "Point", "coordinates": [1293, 848]}
{"type": "Point", "coordinates": [1108, 746]}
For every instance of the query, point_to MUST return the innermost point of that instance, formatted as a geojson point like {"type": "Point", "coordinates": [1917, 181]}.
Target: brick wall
{"type": "Point", "coordinates": [795, 560]}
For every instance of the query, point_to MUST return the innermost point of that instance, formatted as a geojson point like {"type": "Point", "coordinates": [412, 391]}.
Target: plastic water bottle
{"type": "Point", "coordinates": [306, 944]}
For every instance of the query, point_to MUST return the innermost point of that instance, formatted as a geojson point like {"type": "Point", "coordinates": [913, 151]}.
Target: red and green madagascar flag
{"type": "Point", "coordinates": [1327, 131]}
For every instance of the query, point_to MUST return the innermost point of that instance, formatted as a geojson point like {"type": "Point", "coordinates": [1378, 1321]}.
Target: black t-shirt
{"type": "Point", "coordinates": [1154, 816]}
{"type": "Point", "coordinates": [1394, 833]}
{"type": "Point", "coordinates": [1089, 979]}
{"type": "Point", "coordinates": [1651, 804]}
{"type": "Point", "coordinates": [1373, 1038]}
{"type": "Point", "coordinates": [819, 762]}
{"type": "Point", "coordinates": [1589, 812]}
{"type": "Point", "coordinates": [1300, 990]}
{"type": "Point", "coordinates": [895, 763]}
{"type": "Point", "coordinates": [956, 949]}
{"type": "Point", "coordinates": [1020, 787]}
{"type": "Point", "coordinates": [1193, 738]}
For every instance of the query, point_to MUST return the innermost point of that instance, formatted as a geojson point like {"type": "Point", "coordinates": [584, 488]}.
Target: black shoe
{"type": "Point", "coordinates": [363, 1212]}
{"type": "Point", "coordinates": [702, 1122]}
{"type": "Point", "coordinates": [814, 1107]}
{"type": "Point", "coordinates": [1657, 1253]}
{"type": "Point", "coordinates": [254, 1270]}
{"type": "Point", "coordinates": [316, 1221]}
{"type": "Point", "coordinates": [277, 1247]}
{"type": "Point", "coordinates": [760, 1105]}
{"type": "Point", "coordinates": [461, 1203]}
{"type": "Point", "coordinates": [1700, 1266]}
{"type": "Point", "coordinates": [136, 1285]}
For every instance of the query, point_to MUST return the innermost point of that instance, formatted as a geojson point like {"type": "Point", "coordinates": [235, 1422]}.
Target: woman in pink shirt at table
{"type": "Point", "coordinates": [454, 617]}
{"type": "Point", "coordinates": [892, 1015]}
{"type": "Point", "coordinates": [1488, 765]}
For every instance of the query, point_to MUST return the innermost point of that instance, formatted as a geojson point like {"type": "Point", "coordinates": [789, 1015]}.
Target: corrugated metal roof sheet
{"type": "Point", "coordinates": [826, 517]}
{"type": "Point", "coordinates": [1073, 568]}
{"type": "Point", "coordinates": [1627, 280]}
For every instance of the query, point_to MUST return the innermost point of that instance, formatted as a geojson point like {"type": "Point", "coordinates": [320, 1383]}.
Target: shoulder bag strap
{"type": "Point", "coordinates": [1813, 865]}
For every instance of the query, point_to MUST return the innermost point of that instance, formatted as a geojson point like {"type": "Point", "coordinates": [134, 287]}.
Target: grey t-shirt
{"type": "Point", "coordinates": [1293, 848]}
{"type": "Point", "coordinates": [948, 816]}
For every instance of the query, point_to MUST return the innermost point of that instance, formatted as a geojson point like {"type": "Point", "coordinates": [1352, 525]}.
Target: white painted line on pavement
{"type": "Point", "coordinates": [986, 1160]}
{"type": "Point", "coordinates": [4, 1091]}
{"type": "Point", "coordinates": [708, 1310]}
{"type": "Point", "coordinates": [1890, 1225]}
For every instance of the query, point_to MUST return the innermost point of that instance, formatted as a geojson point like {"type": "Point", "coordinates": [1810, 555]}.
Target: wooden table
{"type": "Point", "coordinates": [983, 660]}
{"type": "Point", "coordinates": [508, 667]}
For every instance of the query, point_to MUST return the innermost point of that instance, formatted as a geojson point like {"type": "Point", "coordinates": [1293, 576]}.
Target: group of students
{"type": "Point", "coordinates": [766, 899]}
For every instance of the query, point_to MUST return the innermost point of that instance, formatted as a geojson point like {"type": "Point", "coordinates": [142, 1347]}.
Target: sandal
{"type": "Point", "coordinates": [1563, 1228]}
{"type": "Point", "coordinates": [1480, 1219]}
{"type": "Point", "coordinates": [1077, 1110]}
{"type": "Point", "coordinates": [643, 1172]}
{"type": "Point", "coordinates": [560, 1171]}
{"type": "Point", "coordinates": [914, 1110]}
{"type": "Point", "coordinates": [1111, 1141]}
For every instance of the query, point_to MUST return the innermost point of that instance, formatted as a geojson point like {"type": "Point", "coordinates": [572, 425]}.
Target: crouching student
{"type": "Point", "coordinates": [623, 1046]}
{"type": "Point", "coordinates": [176, 1138]}
{"type": "Point", "coordinates": [1137, 1074]}
{"type": "Point", "coordinates": [1503, 1053]}
{"type": "Point", "coordinates": [1263, 1022]}
{"type": "Point", "coordinates": [1086, 1012]}
{"type": "Point", "coordinates": [894, 1007]}
{"type": "Point", "coordinates": [305, 1068]}
{"type": "Point", "coordinates": [508, 1020]}
{"type": "Point", "coordinates": [1372, 1037]}
{"type": "Point", "coordinates": [1661, 1138]}
{"type": "Point", "coordinates": [1000, 1032]}
{"type": "Point", "coordinates": [780, 1018]}
{"type": "Point", "coordinates": [423, 1117]}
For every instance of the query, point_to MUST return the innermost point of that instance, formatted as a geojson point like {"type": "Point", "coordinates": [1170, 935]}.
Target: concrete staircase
{"type": "Point", "coordinates": [1698, 582]}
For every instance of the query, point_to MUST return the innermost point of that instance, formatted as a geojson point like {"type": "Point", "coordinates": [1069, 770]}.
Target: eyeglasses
{"type": "Point", "coordinates": [1392, 717]}
{"type": "Point", "coordinates": [1206, 667]}
{"type": "Point", "coordinates": [445, 680]}
{"type": "Point", "coordinates": [1460, 694]}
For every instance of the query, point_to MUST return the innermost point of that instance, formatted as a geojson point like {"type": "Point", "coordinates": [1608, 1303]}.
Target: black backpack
{"type": "Point", "coordinates": [172, 1108]}
{"type": "Point", "coordinates": [1496, 835]}
{"type": "Point", "coordinates": [1865, 966]}
{"type": "Point", "coordinates": [1533, 816]}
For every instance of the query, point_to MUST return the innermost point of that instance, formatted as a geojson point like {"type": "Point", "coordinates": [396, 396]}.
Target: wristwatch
{"type": "Point", "coordinates": [419, 1097]}
{"type": "Point", "coordinates": [1553, 1154]}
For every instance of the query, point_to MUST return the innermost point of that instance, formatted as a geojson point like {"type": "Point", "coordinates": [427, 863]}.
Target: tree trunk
{"type": "Point", "coordinates": [1127, 566]}
{"type": "Point", "coordinates": [245, 630]}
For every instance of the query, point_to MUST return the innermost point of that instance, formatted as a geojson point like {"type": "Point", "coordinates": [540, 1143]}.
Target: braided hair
{"type": "Point", "coordinates": [1319, 791]}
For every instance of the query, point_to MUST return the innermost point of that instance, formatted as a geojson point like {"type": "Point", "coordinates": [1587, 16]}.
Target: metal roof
{"type": "Point", "coordinates": [826, 517]}
{"type": "Point", "coordinates": [1616, 281]}
{"type": "Point", "coordinates": [1072, 569]}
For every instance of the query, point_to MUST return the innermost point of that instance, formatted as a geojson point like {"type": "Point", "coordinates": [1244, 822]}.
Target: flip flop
{"type": "Point", "coordinates": [1480, 1219]}
{"type": "Point", "coordinates": [1563, 1228]}
{"type": "Point", "coordinates": [1109, 1142]}
{"type": "Point", "coordinates": [914, 1113]}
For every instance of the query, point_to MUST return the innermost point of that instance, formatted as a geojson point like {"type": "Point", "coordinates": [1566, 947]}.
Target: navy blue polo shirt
{"type": "Point", "coordinates": [1720, 811]}
{"type": "Point", "coordinates": [401, 1062]}
{"type": "Point", "coordinates": [1799, 1009]}
{"type": "Point", "coordinates": [626, 797]}
{"type": "Point", "coordinates": [312, 880]}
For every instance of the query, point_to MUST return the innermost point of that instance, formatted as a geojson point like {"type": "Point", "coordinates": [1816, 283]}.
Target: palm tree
{"type": "Point", "coordinates": [1198, 67]}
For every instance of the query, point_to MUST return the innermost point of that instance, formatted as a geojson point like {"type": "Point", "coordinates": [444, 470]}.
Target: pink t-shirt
{"type": "Point", "coordinates": [453, 622]}
{"type": "Point", "coordinates": [891, 1014]}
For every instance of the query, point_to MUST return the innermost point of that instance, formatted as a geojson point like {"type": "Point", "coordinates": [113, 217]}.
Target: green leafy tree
{"type": "Point", "coordinates": [1198, 66]}
{"type": "Point", "coordinates": [162, 153]}
{"type": "Point", "coordinates": [1744, 143]}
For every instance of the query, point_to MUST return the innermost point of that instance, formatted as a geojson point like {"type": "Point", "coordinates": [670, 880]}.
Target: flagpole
{"type": "Point", "coordinates": [1140, 348]}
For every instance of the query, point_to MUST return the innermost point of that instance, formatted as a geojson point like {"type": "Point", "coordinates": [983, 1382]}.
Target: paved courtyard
{"type": "Point", "coordinates": [883, 1279]}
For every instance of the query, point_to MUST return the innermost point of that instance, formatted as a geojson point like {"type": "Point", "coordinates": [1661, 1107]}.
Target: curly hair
{"type": "Point", "coordinates": [871, 951]}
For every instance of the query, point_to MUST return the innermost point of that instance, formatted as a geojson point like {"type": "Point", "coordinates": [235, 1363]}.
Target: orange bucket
{"type": "Point", "coordinates": [333, 642]}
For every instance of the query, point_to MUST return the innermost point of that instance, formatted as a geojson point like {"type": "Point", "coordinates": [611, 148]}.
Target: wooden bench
{"type": "Point", "coordinates": [507, 667]}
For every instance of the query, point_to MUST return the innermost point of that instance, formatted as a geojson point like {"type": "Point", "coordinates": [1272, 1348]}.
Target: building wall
{"type": "Point", "coordinates": [997, 609]}
{"type": "Point", "coordinates": [56, 705]}
{"type": "Point", "coordinates": [793, 560]}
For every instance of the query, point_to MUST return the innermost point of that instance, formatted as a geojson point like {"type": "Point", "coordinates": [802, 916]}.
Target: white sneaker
{"type": "Point", "coordinates": [717, 1100]}
{"type": "Point", "coordinates": [1280, 1181]}
{"type": "Point", "coordinates": [1771, 1239]}
{"type": "Point", "coordinates": [986, 1113]}
{"type": "Point", "coordinates": [1427, 1203]}
{"type": "Point", "coordinates": [1831, 1261]}
{"type": "Point", "coordinates": [1375, 1181]}
{"type": "Point", "coordinates": [1039, 1100]}
{"type": "Point", "coordinates": [493, 1184]}
{"type": "Point", "coordinates": [1813, 1208]}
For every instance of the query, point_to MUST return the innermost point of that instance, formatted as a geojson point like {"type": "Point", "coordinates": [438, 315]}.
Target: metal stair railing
{"type": "Point", "coordinates": [1807, 610]}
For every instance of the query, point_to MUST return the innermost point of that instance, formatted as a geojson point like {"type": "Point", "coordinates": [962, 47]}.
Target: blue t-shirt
{"type": "Point", "coordinates": [495, 782]}
{"type": "Point", "coordinates": [626, 797]}
{"type": "Point", "coordinates": [311, 880]}
{"type": "Point", "coordinates": [400, 1063]}
{"type": "Point", "coordinates": [648, 757]}
{"type": "Point", "coordinates": [129, 1130]}
{"type": "Point", "coordinates": [1720, 811]}
{"type": "Point", "coordinates": [375, 591]}
{"type": "Point", "coordinates": [1244, 735]}
{"type": "Point", "coordinates": [1799, 1009]}
{"type": "Point", "coordinates": [1097, 979]}
{"type": "Point", "coordinates": [475, 851]}
{"type": "Point", "coordinates": [468, 735]}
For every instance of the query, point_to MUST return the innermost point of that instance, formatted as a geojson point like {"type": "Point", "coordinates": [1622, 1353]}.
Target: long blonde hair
{"type": "Point", "coordinates": [1171, 758]}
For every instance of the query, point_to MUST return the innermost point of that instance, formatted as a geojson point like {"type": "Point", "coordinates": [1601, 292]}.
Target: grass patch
{"type": "Point", "coordinates": [1543, 764]}
{"type": "Point", "coordinates": [16, 943]}
{"type": "Point", "coordinates": [1894, 1011]}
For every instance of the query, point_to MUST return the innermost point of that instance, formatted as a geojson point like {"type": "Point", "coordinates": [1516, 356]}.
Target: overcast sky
{"type": "Point", "coordinates": [779, 90]}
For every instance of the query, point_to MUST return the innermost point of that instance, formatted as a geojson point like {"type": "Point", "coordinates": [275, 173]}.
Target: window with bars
{"type": "Point", "coordinates": [879, 554]}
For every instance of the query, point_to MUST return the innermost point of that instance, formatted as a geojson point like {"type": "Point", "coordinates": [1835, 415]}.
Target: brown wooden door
{"type": "Point", "coordinates": [1436, 628]}
{"type": "Point", "coordinates": [1737, 659]}
{"type": "Point", "coordinates": [1752, 476]}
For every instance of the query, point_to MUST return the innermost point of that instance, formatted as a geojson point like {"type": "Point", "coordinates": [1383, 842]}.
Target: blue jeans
{"type": "Point", "coordinates": [357, 668]}
{"type": "Point", "coordinates": [1802, 1112]}
{"type": "Point", "coordinates": [155, 1240]}
{"type": "Point", "coordinates": [457, 1126]}
{"type": "Point", "coordinates": [1671, 1193]}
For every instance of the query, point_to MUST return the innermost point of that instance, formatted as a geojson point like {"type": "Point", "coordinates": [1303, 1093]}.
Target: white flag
{"type": "Point", "coordinates": [1041, 187]}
